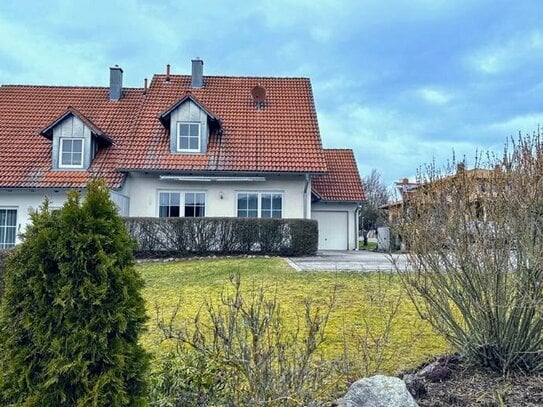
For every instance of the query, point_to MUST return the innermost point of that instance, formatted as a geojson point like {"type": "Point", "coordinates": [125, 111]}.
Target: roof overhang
{"type": "Point", "coordinates": [47, 132]}
{"type": "Point", "coordinates": [164, 117]}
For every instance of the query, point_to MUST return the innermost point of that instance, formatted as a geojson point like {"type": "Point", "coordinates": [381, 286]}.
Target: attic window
{"type": "Point", "coordinates": [188, 136]}
{"type": "Point", "coordinates": [71, 153]}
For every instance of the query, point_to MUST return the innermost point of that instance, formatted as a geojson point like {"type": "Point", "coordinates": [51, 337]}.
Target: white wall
{"type": "Point", "coordinates": [27, 201]}
{"type": "Point", "coordinates": [143, 191]}
{"type": "Point", "coordinates": [350, 208]}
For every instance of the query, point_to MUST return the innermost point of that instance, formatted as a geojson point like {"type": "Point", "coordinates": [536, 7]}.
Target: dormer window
{"type": "Point", "coordinates": [71, 153]}
{"type": "Point", "coordinates": [75, 141]}
{"type": "Point", "coordinates": [188, 136]}
{"type": "Point", "coordinates": [190, 126]}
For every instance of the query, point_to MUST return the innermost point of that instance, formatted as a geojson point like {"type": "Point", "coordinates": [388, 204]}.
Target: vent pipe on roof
{"type": "Point", "coordinates": [197, 73]}
{"type": "Point", "coordinates": [145, 86]}
{"type": "Point", "coordinates": [115, 83]}
{"type": "Point", "coordinates": [168, 73]}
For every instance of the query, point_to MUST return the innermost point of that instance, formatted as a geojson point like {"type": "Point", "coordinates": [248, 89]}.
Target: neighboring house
{"type": "Point", "coordinates": [478, 180]}
{"type": "Point", "coordinates": [186, 145]}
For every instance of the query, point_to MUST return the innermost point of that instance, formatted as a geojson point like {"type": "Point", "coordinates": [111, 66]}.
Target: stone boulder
{"type": "Point", "coordinates": [378, 391]}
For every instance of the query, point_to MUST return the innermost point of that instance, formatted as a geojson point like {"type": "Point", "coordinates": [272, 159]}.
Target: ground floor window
{"type": "Point", "coordinates": [8, 228]}
{"type": "Point", "coordinates": [260, 205]}
{"type": "Point", "coordinates": [176, 204]}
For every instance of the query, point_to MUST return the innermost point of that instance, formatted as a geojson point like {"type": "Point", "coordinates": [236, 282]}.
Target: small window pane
{"type": "Point", "coordinates": [76, 159]}
{"type": "Point", "coordinates": [77, 145]}
{"type": "Point", "coordinates": [184, 143]}
{"type": "Point", "coordinates": [266, 202]}
{"type": "Point", "coordinates": [277, 201]}
{"type": "Point", "coordinates": [194, 130]}
{"type": "Point", "coordinates": [8, 228]}
{"type": "Point", "coordinates": [175, 198]}
{"type": "Point", "coordinates": [11, 217]}
{"type": "Point", "coordinates": [183, 130]}
{"type": "Point", "coordinates": [193, 143]}
{"type": "Point", "coordinates": [253, 201]}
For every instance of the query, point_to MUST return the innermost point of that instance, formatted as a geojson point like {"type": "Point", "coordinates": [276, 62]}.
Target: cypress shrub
{"type": "Point", "coordinates": [72, 310]}
{"type": "Point", "coordinates": [3, 258]}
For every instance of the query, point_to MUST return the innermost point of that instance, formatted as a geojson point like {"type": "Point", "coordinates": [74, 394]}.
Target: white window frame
{"type": "Point", "coordinates": [61, 142]}
{"type": "Point", "coordinates": [259, 201]}
{"type": "Point", "coordinates": [182, 200]}
{"type": "Point", "coordinates": [4, 243]}
{"type": "Point", "coordinates": [189, 150]}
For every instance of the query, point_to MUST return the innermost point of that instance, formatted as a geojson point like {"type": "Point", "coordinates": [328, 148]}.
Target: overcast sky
{"type": "Point", "coordinates": [402, 83]}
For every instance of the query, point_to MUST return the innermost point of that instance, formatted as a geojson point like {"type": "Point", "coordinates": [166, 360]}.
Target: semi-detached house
{"type": "Point", "coordinates": [186, 145]}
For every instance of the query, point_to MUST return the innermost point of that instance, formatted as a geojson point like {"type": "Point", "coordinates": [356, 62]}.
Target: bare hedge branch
{"type": "Point", "coordinates": [188, 236]}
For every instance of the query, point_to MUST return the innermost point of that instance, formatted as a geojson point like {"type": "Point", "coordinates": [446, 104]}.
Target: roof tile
{"type": "Point", "coordinates": [342, 181]}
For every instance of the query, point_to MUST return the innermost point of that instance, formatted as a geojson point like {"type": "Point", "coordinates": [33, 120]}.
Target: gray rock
{"type": "Point", "coordinates": [378, 391]}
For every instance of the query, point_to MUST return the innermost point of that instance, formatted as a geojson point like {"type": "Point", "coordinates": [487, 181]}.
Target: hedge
{"type": "Point", "coordinates": [3, 259]}
{"type": "Point", "coordinates": [163, 237]}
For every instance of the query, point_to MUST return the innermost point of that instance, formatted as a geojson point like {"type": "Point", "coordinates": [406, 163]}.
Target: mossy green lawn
{"type": "Point", "coordinates": [362, 302]}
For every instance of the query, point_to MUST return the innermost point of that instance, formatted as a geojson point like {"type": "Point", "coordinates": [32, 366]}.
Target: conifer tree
{"type": "Point", "coordinates": [72, 311]}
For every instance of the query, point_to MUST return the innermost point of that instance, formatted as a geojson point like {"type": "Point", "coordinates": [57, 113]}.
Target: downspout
{"type": "Point", "coordinates": [356, 223]}
{"type": "Point", "coordinates": [307, 180]}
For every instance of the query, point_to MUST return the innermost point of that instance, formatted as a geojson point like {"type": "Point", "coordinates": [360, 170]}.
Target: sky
{"type": "Point", "coordinates": [402, 83]}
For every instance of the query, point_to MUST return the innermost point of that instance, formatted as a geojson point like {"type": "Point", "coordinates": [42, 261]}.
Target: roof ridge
{"type": "Point", "coordinates": [234, 76]}
{"type": "Point", "coordinates": [63, 87]}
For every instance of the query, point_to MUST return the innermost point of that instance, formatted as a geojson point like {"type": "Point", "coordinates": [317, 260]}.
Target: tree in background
{"type": "Point", "coordinates": [72, 311]}
{"type": "Point", "coordinates": [371, 217]}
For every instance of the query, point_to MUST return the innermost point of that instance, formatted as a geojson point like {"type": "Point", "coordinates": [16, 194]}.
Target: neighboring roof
{"type": "Point", "coordinates": [342, 182]}
{"type": "Point", "coordinates": [27, 110]}
{"type": "Point", "coordinates": [281, 137]}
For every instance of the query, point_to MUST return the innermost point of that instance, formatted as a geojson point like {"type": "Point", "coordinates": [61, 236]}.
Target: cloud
{"type": "Point", "coordinates": [507, 54]}
{"type": "Point", "coordinates": [434, 96]}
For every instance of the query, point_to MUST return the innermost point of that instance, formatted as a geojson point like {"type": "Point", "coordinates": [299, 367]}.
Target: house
{"type": "Point", "coordinates": [474, 184]}
{"type": "Point", "coordinates": [186, 145]}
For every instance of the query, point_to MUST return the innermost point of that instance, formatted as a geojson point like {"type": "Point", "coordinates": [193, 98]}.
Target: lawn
{"type": "Point", "coordinates": [362, 303]}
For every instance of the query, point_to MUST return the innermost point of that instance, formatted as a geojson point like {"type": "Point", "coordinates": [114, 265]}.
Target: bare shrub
{"type": "Point", "coordinates": [243, 352]}
{"type": "Point", "coordinates": [475, 239]}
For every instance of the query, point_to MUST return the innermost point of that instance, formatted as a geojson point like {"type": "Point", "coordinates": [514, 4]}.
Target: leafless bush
{"type": "Point", "coordinates": [475, 239]}
{"type": "Point", "coordinates": [253, 356]}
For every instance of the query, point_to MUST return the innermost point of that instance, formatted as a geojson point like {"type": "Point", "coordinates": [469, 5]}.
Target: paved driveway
{"type": "Point", "coordinates": [347, 261]}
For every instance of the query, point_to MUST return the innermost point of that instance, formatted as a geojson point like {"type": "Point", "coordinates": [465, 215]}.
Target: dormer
{"type": "Point", "coordinates": [76, 141]}
{"type": "Point", "coordinates": [190, 125]}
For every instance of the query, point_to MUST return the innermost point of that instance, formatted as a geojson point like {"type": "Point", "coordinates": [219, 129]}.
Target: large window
{"type": "Point", "coordinates": [71, 153]}
{"type": "Point", "coordinates": [260, 205]}
{"type": "Point", "coordinates": [8, 228]}
{"type": "Point", "coordinates": [187, 204]}
{"type": "Point", "coordinates": [188, 136]}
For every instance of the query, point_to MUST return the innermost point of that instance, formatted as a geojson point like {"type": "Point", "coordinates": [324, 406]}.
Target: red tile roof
{"type": "Point", "coordinates": [342, 181]}
{"type": "Point", "coordinates": [281, 137]}
{"type": "Point", "coordinates": [25, 154]}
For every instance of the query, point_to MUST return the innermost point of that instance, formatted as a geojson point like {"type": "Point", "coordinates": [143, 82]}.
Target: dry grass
{"type": "Point", "coordinates": [362, 301]}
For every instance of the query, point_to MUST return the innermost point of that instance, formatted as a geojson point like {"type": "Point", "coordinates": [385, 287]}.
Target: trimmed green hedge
{"type": "Point", "coordinates": [163, 237]}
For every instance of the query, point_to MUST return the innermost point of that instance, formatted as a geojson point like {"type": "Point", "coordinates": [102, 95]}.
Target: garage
{"type": "Point", "coordinates": [333, 229]}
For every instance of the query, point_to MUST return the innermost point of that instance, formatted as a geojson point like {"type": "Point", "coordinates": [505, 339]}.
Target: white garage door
{"type": "Point", "coordinates": [333, 229]}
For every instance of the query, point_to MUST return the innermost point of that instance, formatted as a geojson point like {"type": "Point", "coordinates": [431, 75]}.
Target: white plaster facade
{"type": "Point", "coordinates": [221, 196]}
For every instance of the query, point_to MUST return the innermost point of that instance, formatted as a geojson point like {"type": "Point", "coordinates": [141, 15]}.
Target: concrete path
{"type": "Point", "coordinates": [362, 261]}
